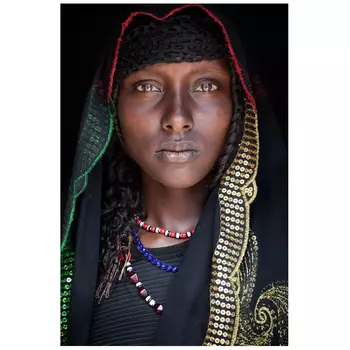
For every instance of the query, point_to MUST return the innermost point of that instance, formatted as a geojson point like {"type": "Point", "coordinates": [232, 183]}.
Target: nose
{"type": "Point", "coordinates": [177, 116]}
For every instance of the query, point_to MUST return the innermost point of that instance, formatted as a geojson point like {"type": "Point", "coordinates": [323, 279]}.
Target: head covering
{"type": "Point", "coordinates": [183, 37]}
{"type": "Point", "coordinates": [223, 295]}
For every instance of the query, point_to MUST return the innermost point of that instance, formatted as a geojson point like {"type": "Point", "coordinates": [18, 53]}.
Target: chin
{"type": "Point", "coordinates": [179, 179]}
{"type": "Point", "coordinates": [177, 185]}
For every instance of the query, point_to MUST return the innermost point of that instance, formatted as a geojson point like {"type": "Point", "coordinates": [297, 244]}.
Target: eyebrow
{"type": "Point", "coordinates": [209, 69]}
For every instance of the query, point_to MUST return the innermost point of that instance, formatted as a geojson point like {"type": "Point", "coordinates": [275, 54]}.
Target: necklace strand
{"type": "Point", "coordinates": [166, 233]}
{"type": "Point", "coordinates": [134, 278]}
{"type": "Point", "coordinates": [151, 258]}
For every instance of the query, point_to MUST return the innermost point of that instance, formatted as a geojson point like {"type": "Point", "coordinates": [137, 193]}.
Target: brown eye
{"type": "Point", "coordinates": [206, 87]}
{"type": "Point", "coordinates": [147, 88]}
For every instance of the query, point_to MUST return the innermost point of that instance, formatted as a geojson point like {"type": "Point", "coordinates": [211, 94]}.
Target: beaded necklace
{"type": "Point", "coordinates": [134, 278]}
{"type": "Point", "coordinates": [151, 258]}
{"type": "Point", "coordinates": [166, 233]}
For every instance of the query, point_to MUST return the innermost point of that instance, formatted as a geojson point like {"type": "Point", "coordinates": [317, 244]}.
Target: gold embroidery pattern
{"type": "Point", "coordinates": [237, 191]}
{"type": "Point", "coordinates": [269, 318]}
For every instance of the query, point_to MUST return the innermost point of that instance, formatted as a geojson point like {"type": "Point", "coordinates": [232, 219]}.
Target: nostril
{"type": "Point", "coordinates": [177, 127]}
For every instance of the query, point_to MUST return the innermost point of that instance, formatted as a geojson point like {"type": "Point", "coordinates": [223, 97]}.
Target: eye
{"type": "Point", "coordinates": [147, 88]}
{"type": "Point", "coordinates": [205, 87]}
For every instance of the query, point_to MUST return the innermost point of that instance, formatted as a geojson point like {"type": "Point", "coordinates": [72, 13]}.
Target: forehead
{"type": "Point", "coordinates": [214, 67]}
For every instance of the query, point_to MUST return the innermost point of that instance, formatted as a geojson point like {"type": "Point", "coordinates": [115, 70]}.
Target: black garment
{"type": "Point", "coordinates": [224, 294]}
{"type": "Point", "coordinates": [125, 318]}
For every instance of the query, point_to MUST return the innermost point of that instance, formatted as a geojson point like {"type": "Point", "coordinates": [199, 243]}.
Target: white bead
{"type": "Point", "coordinates": [157, 230]}
{"type": "Point", "coordinates": [128, 263]}
{"type": "Point", "coordinates": [138, 284]}
{"type": "Point", "coordinates": [148, 298]}
{"type": "Point", "coordinates": [189, 234]}
{"type": "Point", "coordinates": [177, 235]}
{"type": "Point", "coordinates": [141, 223]}
{"type": "Point", "coordinates": [152, 302]}
{"type": "Point", "coordinates": [167, 233]}
{"type": "Point", "coordinates": [129, 269]}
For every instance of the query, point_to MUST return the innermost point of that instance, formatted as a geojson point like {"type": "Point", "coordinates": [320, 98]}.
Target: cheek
{"type": "Point", "coordinates": [214, 119]}
{"type": "Point", "coordinates": [138, 126]}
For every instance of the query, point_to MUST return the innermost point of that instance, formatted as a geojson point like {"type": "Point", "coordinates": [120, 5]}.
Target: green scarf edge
{"type": "Point", "coordinates": [86, 173]}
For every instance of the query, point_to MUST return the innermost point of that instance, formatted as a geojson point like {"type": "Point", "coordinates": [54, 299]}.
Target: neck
{"type": "Point", "coordinates": [172, 209]}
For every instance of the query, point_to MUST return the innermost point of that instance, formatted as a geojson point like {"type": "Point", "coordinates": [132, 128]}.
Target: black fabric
{"type": "Point", "coordinates": [86, 262]}
{"type": "Point", "coordinates": [269, 211]}
{"type": "Point", "coordinates": [185, 318]}
{"type": "Point", "coordinates": [189, 295]}
{"type": "Point", "coordinates": [125, 318]}
{"type": "Point", "coordinates": [181, 37]}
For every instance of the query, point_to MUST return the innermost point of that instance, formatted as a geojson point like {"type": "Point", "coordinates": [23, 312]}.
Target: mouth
{"type": "Point", "coordinates": [177, 157]}
{"type": "Point", "coordinates": [177, 152]}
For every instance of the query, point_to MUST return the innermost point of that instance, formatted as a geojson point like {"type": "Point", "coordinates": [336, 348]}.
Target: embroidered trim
{"type": "Point", "coordinates": [75, 195]}
{"type": "Point", "coordinates": [67, 261]}
{"type": "Point", "coordinates": [67, 253]}
{"type": "Point", "coordinates": [237, 191]}
{"type": "Point", "coordinates": [269, 317]}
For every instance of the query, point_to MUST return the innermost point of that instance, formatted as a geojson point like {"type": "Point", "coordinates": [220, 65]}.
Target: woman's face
{"type": "Point", "coordinates": [174, 118]}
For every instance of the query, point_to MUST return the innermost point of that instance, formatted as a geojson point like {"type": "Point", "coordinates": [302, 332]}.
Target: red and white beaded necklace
{"type": "Point", "coordinates": [166, 233]}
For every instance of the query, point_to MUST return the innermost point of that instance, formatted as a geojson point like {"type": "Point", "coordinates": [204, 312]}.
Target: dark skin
{"type": "Point", "coordinates": [174, 118]}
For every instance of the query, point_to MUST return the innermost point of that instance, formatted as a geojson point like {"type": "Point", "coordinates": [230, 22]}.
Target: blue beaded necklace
{"type": "Point", "coordinates": [151, 258]}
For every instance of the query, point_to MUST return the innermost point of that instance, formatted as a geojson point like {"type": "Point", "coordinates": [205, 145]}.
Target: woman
{"type": "Point", "coordinates": [169, 145]}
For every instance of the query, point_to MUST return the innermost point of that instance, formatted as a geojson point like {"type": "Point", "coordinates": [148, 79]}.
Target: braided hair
{"type": "Point", "coordinates": [122, 190]}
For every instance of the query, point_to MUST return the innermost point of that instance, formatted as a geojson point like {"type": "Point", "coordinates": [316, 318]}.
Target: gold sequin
{"type": "Point", "coordinates": [233, 229]}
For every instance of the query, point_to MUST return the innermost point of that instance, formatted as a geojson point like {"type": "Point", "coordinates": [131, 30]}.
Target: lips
{"type": "Point", "coordinates": [177, 152]}
{"type": "Point", "coordinates": [178, 146]}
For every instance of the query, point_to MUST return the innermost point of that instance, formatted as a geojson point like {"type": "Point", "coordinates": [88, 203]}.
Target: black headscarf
{"type": "Point", "coordinates": [225, 293]}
